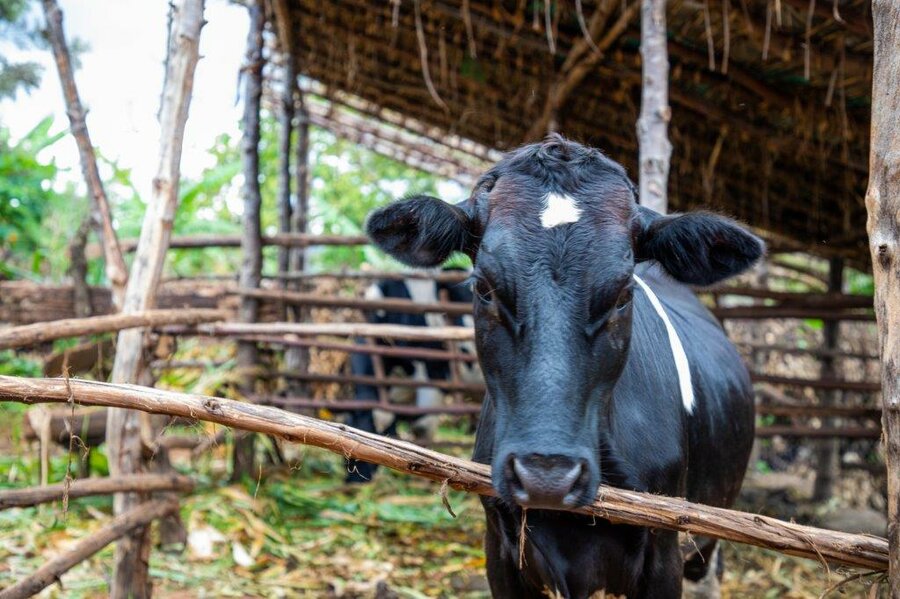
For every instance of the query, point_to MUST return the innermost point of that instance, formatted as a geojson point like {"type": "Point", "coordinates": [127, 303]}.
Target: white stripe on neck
{"type": "Point", "coordinates": [681, 361]}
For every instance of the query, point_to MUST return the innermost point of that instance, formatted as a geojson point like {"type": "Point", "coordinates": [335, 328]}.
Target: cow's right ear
{"type": "Point", "coordinates": [421, 230]}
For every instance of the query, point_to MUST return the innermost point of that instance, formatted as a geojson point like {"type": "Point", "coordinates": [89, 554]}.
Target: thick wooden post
{"type": "Point", "coordinates": [123, 438]}
{"type": "Point", "coordinates": [251, 241]}
{"type": "Point", "coordinates": [828, 459]}
{"type": "Point", "coordinates": [883, 226]}
{"type": "Point", "coordinates": [652, 125]}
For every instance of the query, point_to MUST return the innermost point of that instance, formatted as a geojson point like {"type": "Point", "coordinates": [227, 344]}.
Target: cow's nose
{"type": "Point", "coordinates": [547, 481]}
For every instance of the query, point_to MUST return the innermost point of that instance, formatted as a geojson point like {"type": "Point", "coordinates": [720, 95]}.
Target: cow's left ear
{"type": "Point", "coordinates": [421, 230]}
{"type": "Point", "coordinates": [698, 248]}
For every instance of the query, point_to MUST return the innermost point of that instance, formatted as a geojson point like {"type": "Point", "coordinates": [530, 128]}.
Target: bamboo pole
{"type": "Point", "coordinates": [654, 146]}
{"type": "Point", "coordinates": [131, 576]}
{"type": "Point", "coordinates": [616, 505]}
{"type": "Point", "coordinates": [251, 238]}
{"type": "Point", "coordinates": [42, 332]}
{"type": "Point", "coordinates": [116, 271]}
{"type": "Point", "coordinates": [883, 227]}
{"type": "Point", "coordinates": [135, 519]}
{"type": "Point", "coordinates": [137, 483]}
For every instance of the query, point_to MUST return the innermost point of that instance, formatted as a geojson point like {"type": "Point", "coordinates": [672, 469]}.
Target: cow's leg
{"type": "Point", "coordinates": [504, 576]}
{"type": "Point", "coordinates": [425, 427]}
{"type": "Point", "coordinates": [361, 364]}
{"type": "Point", "coordinates": [662, 578]}
{"type": "Point", "coordinates": [703, 573]}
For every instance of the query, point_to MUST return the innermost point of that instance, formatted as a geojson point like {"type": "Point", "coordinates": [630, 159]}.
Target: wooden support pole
{"type": "Point", "coordinates": [43, 332]}
{"type": "Point", "coordinates": [883, 227]}
{"type": "Point", "coordinates": [652, 125]}
{"type": "Point", "coordinates": [136, 483]}
{"type": "Point", "coordinates": [251, 240]}
{"type": "Point", "coordinates": [616, 505]}
{"type": "Point", "coordinates": [123, 440]}
{"type": "Point", "coordinates": [137, 518]}
{"type": "Point", "coordinates": [116, 271]}
{"type": "Point", "coordinates": [285, 135]}
{"type": "Point", "coordinates": [828, 459]}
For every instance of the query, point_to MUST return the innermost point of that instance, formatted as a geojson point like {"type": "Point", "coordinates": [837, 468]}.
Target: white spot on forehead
{"type": "Point", "coordinates": [559, 209]}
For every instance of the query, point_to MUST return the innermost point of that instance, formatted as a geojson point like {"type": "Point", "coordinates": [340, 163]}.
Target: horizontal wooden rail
{"type": "Point", "coordinates": [234, 241]}
{"type": "Point", "coordinates": [118, 527]}
{"type": "Point", "coordinates": [388, 381]}
{"type": "Point", "coordinates": [399, 351]}
{"type": "Point", "coordinates": [354, 406]}
{"type": "Point", "coordinates": [136, 483]}
{"type": "Point", "coordinates": [444, 276]}
{"type": "Point", "coordinates": [407, 306]}
{"type": "Point", "coordinates": [810, 411]}
{"type": "Point", "coordinates": [391, 305]}
{"type": "Point", "coordinates": [819, 433]}
{"type": "Point", "coordinates": [818, 352]}
{"type": "Point", "coordinates": [42, 332]}
{"type": "Point", "coordinates": [337, 329]}
{"type": "Point", "coordinates": [833, 384]}
{"type": "Point", "coordinates": [613, 504]}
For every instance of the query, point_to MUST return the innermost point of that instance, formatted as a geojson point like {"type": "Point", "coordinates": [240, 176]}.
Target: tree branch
{"type": "Point", "coordinates": [613, 504]}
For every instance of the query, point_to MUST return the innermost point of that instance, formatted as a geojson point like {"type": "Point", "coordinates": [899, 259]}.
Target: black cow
{"type": "Point", "coordinates": [600, 364]}
{"type": "Point", "coordinates": [422, 291]}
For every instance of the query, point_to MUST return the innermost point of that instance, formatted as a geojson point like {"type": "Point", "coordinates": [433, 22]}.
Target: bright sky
{"type": "Point", "coordinates": [120, 80]}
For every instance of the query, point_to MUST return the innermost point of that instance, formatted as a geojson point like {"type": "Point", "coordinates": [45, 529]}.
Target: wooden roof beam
{"type": "Point", "coordinates": [569, 80]}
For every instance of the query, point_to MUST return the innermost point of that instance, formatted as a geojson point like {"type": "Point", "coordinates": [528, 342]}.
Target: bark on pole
{"type": "Point", "coordinates": [116, 271]}
{"type": "Point", "coordinates": [251, 242]}
{"type": "Point", "coordinates": [285, 132]}
{"type": "Point", "coordinates": [883, 227]}
{"type": "Point", "coordinates": [653, 123]}
{"type": "Point", "coordinates": [131, 577]}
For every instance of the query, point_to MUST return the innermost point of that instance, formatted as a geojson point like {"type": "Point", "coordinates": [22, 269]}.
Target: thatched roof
{"type": "Point", "coordinates": [770, 98]}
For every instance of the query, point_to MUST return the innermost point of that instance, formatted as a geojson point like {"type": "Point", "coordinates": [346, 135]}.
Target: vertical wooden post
{"type": "Point", "coordinates": [828, 459]}
{"type": "Point", "coordinates": [285, 132]}
{"type": "Point", "coordinates": [297, 358]}
{"type": "Point", "coordinates": [251, 241]}
{"type": "Point", "coordinates": [300, 217]}
{"type": "Point", "coordinates": [883, 227]}
{"type": "Point", "coordinates": [652, 125]}
{"type": "Point", "coordinates": [123, 438]}
{"type": "Point", "coordinates": [115, 264]}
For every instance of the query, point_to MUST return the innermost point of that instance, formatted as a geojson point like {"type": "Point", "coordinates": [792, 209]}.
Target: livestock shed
{"type": "Point", "coordinates": [780, 113]}
{"type": "Point", "coordinates": [770, 100]}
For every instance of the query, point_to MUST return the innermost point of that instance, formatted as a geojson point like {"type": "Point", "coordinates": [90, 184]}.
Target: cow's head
{"type": "Point", "coordinates": [554, 232]}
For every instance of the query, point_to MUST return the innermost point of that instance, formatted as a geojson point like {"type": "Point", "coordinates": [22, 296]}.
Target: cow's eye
{"type": "Point", "coordinates": [484, 292]}
{"type": "Point", "coordinates": [624, 299]}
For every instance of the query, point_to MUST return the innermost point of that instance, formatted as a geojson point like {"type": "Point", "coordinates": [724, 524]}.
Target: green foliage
{"type": "Point", "coordinates": [32, 212]}
{"type": "Point", "coordinates": [16, 27]}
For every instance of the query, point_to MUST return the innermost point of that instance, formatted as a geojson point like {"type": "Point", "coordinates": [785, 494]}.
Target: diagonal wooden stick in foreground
{"type": "Point", "coordinates": [43, 577]}
{"type": "Point", "coordinates": [616, 505]}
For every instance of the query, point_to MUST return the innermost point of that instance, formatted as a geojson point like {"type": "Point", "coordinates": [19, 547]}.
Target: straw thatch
{"type": "Point", "coordinates": [770, 98]}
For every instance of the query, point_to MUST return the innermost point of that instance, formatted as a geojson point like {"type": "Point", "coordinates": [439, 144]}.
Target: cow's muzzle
{"type": "Point", "coordinates": [547, 481]}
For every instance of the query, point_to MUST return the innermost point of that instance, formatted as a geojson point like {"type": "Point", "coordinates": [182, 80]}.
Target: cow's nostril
{"type": "Point", "coordinates": [547, 481]}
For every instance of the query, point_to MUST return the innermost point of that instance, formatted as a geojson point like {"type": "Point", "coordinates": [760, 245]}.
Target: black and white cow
{"type": "Point", "coordinates": [422, 291]}
{"type": "Point", "coordinates": [600, 364]}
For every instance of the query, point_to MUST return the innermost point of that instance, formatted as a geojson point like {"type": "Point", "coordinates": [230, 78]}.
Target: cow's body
{"type": "Point", "coordinates": [650, 444]}
{"type": "Point", "coordinates": [599, 366]}
{"type": "Point", "coordinates": [423, 291]}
